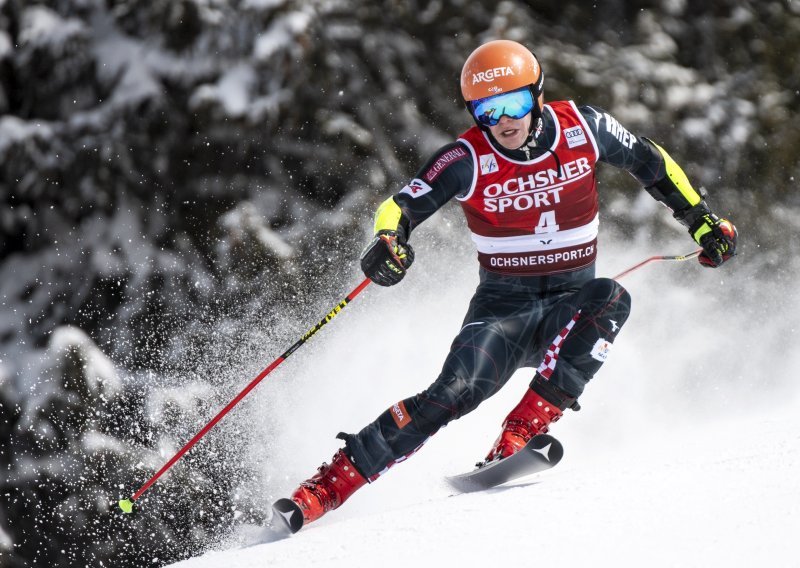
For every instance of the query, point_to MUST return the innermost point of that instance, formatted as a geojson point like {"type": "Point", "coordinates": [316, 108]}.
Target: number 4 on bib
{"type": "Point", "coordinates": [547, 223]}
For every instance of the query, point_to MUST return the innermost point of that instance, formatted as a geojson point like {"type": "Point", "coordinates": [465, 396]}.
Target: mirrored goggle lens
{"type": "Point", "coordinates": [515, 104]}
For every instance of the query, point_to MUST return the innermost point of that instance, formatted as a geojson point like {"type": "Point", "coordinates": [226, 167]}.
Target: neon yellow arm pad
{"type": "Point", "coordinates": [387, 217]}
{"type": "Point", "coordinates": [678, 177]}
{"type": "Point", "coordinates": [700, 232]}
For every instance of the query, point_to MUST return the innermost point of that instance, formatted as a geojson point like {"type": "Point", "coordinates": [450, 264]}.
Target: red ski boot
{"type": "Point", "coordinates": [330, 487]}
{"type": "Point", "coordinates": [530, 417]}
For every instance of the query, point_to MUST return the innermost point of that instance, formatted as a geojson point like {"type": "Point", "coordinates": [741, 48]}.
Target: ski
{"type": "Point", "coordinates": [286, 519]}
{"type": "Point", "coordinates": [287, 516]}
{"type": "Point", "coordinates": [540, 453]}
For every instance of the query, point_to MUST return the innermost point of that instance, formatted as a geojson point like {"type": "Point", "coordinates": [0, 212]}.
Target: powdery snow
{"type": "Point", "coordinates": [684, 454]}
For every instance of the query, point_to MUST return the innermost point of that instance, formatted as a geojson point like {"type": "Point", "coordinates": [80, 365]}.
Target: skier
{"type": "Point", "coordinates": [525, 178]}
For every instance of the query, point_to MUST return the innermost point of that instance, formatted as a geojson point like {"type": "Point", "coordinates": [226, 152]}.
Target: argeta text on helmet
{"type": "Point", "coordinates": [491, 74]}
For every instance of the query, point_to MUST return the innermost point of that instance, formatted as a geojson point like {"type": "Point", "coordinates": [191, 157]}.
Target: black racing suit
{"type": "Point", "coordinates": [563, 323]}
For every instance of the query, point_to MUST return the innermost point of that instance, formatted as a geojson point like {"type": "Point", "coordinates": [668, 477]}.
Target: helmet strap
{"type": "Point", "coordinates": [536, 117]}
{"type": "Point", "coordinates": [535, 128]}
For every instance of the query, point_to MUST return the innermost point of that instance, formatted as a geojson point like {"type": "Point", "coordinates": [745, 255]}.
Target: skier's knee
{"type": "Point", "coordinates": [605, 289]}
{"type": "Point", "coordinates": [609, 297]}
{"type": "Point", "coordinates": [449, 398]}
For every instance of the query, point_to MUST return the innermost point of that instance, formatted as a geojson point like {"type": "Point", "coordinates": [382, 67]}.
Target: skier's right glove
{"type": "Point", "coordinates": [387, 257]}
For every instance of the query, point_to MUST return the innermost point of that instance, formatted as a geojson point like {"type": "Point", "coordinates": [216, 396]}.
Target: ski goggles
{"type": "Point", "coordinates": [514, 104]}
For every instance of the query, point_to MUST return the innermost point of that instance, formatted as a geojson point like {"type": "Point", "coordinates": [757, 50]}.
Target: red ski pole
{"type": "Point", "coordinates": [658, 259]}
{"type": "Point", "coordinates": [127, 504]}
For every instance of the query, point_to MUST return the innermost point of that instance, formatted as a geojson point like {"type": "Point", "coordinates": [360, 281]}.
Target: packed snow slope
{"type": "Point", "coordinates": [720, 494]}
{"type": "Point", "coordinates": [686, 451]}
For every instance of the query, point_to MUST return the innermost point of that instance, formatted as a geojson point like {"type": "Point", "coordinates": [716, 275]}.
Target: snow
{"type": "Point", "coordinates": [232, 91]}
{"type": "Point", "coordinates": [98, 369]}
{"type": "Point", "coordinates": [98, 236]}
{"type": "Point", "coordinates": [342, 124]}
{"type": "Point", "coordinates": [281, 34]}
{"type": "Point", "coordinates": [44, 27]}
{"type": "Point", "coordinates": [685, 452]}
{"type": "Point", "coordinates": [15, 130]}
{"type": "Point", "coordinates": [263, 4]}
{"type": "Point", "coordinates": [132, 63]}
{"type": "Point", "coordinates": [6, 46]}
{"type": "Point", "coordinates": [245, 220]}
{"type": "Point", "coordinates": [717, 495]}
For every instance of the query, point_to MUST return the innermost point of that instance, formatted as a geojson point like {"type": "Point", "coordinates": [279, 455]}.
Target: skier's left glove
{"type": "Point", "coordinates": [716, 236]}
{"type": "Point", "coordinates": [387, 257]}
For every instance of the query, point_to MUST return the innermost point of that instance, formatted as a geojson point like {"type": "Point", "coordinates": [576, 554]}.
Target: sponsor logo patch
{"type": "Point", "coordinates": [536, 190]}
{"type": "Point", "coordinates": [488, 164]}
{"type": "Point", "coordinates": [400, 415]}
{"type": "Point", "coordinates": [618, 131]}
{"type": "Point", "coordinates": [445, 159]}
{"type": "Point", "coordinates": [530, 260]}
{"type": "Point", "coordinates": [416, 187]}
{"type": "Point", "coordinates": [491, 74]}
{"type": "Point", "coordinates": [575, 136]}
{"type": "Point", "coordinates": [601, 349]}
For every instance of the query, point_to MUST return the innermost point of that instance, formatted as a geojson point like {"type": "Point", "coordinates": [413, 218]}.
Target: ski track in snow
{"type": "Point", "coordinates": [682, 455]}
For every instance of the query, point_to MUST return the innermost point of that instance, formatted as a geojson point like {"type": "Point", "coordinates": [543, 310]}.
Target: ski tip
{"type": "Point", "coordinates": [126, 505]}
{"type": "Point", "coordinates": [289, 513]}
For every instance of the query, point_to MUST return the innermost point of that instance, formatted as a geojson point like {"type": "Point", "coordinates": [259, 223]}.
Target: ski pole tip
{"type": "Point", "coordinates": [126, 505]}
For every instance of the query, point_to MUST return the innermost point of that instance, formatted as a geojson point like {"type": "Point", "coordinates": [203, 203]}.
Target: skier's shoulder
{"type": "Point", "coordinates": [446, 173]}
{"type": "Point", "coordinates": [616, 144]}
{"type": "Point", "coordinates": [567, 104]}
{"type": "Point", "coordinates": [599, 119]}
{"type": "Point", "coordinates": [593, 115]}
{"type": "Point", "coordinates": [606, 129]}
{"type": "Point", "coordinates": [454, 154]}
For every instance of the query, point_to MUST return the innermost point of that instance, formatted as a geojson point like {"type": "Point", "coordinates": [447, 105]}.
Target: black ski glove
{"type": "Point", "coordinates": [717, 237]}
{"type": "Point", "coordinates": [387, 257]}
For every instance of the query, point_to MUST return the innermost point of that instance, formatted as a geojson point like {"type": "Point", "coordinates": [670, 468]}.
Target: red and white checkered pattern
{"type": "Point", "coordinates": [551, 356]}
{"type": "Point", "coordinates": [398, 460]}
